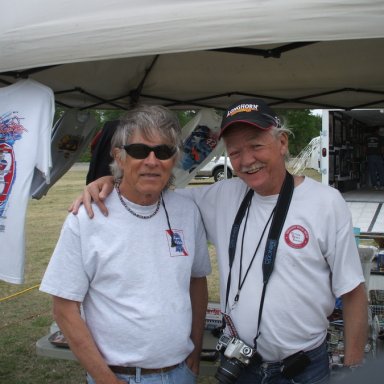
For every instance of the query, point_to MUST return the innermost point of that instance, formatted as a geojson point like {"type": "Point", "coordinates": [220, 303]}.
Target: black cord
{"type": "Point", "coordinates": [173, 243]}
{"type": "Point", "coordinates": [241, 282]}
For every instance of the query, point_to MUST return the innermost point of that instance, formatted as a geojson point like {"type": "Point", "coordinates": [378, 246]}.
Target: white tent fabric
{"type": "Point", "coordinates": [42, 32]}
{"type": "Point", "coordinates": [105, 49]}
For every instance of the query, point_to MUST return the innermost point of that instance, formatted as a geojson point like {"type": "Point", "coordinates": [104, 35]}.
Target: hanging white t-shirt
{"type": "Point", "coordinates": [26, 116]}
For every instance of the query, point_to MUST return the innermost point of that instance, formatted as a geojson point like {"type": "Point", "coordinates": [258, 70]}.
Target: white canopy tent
{"type": "Point", "coordinates": [111, 54]}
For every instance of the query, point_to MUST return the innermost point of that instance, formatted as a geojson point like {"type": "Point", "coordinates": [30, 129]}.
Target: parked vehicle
{"type": "Point", "coordinates": [215, 169]}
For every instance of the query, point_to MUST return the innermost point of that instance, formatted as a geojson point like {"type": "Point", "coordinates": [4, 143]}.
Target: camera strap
{"type": "Point", "coordinates": [279, 214]}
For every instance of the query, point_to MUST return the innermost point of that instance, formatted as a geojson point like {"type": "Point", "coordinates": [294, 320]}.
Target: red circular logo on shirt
{"type": "Point", "coordinates": [296, 236]}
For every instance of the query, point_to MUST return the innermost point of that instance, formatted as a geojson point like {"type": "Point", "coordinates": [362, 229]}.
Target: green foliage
{"type": "Point", "coordinates": [59, 112]}
{"type": "Point", "coordinates": [185, 116]}
{"type": "Point", "coordinates": [304, 126]}
{"type": "Point", "coordinates": [108, 115]}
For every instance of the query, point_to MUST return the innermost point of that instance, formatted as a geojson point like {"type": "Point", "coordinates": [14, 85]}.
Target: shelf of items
{"type": "Point", "coordinates": [345, 150]}
{"type": "Point", "coordinates": [376, 300]}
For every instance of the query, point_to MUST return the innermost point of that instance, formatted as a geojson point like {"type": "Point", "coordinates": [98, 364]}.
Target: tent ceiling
{"type": "Point", "coordinates": [335, 74]}
{"type": "Point", "coordinates": [297, 53]}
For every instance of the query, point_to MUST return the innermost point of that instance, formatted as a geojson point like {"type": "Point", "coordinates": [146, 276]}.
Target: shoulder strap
{"type": "Point", "coordinates": [236, 225]}
{"type": "Point", "coordinates": [278, 220]}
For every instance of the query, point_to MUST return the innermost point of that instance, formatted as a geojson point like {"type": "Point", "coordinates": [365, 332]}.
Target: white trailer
{"type": "Point", "coordinates": [343, 165]}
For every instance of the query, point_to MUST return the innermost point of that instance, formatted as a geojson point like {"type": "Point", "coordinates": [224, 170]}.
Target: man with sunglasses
{"type": "Point", "coordinates": [129, 290]}
{"type": "Point", "coordinates": [285, 250]}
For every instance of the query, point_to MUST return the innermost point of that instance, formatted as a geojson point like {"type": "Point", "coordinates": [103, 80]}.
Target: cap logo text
{"type": "Point", "coordinates": [243, 108]}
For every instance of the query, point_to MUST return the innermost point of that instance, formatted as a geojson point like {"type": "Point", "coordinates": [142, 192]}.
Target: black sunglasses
{"type": "Point", "coordinates": [142, 151]}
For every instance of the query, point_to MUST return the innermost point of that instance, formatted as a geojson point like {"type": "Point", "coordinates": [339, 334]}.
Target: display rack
{"type": "Point", "coordinates": [374, 346]}
{"type": "Point", "coordinates": [346, 165]}
{"type": "Point", "coordinates": [376, 299]}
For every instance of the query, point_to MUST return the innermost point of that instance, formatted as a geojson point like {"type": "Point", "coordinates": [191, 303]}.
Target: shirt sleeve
{"type": "Point", "coordinates": [345, 262]}
{"type": "Point", "coordinates": [65, 275]}
{"type": "Point", "coordinates": [201, 264]}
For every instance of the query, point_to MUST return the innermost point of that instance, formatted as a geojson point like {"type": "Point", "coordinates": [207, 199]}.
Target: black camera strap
{"type": "Point", "coordinates": [235, 234]}
{"type": "Point", "coordinates": [279, 214]}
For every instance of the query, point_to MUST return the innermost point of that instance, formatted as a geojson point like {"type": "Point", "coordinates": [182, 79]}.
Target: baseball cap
{"type": "Point", "coordinates": [250, 111]}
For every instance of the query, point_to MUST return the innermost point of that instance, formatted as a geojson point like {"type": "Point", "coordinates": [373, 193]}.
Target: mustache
{"type": "Point", "coordinates": [251, 168]}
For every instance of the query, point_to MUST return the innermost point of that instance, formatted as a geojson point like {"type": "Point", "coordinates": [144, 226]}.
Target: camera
{"type": "Point", "coordinates": [236, 356]}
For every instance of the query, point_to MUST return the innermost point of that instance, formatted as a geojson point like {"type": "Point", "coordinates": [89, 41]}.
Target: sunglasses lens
{"type": "Point", "coordinates": [142, 151]}
{"type": "Point", "coordinates": [163, 152]}
{"type": "Point", "coordinates": [137, 151]}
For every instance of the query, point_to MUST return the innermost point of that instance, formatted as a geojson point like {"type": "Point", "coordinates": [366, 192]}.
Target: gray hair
{"type": "Point", "coordinates": [278, 130]}
{"type": "Point", "coordinates": [151, 121]}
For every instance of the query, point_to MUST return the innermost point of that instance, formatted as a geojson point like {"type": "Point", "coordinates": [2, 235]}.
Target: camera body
{"type": "Point", "coordinates": [236, 356]}
{"type": "Point", "coordinates": [235, 349]}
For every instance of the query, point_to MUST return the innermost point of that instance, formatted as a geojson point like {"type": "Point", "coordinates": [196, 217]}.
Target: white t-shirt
{"type": "Point", "coordinates": [26, 116]}
{"type": "Point", "coordinates": [133, 285]}
{"type": "Point", "coordinates": [317, 260]}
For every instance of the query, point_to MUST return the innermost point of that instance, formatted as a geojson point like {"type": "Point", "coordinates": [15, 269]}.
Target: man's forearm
{"type": "Point", "coordinates": [80, 340]}
{"type": "Point", "coordinates": [355, 315]}
{"type": "Point", "coordinates": [199, 300]}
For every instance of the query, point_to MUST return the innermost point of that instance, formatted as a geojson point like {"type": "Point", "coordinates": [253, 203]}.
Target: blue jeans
{"type": "Point", "coordinates": [180, 375]}
{"type": "Point", "coordinates": [318, 372]}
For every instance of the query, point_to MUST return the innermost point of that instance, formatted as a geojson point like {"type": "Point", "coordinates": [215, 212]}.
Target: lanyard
{"type": "Point", "coordinates": [242, 281]}
{"type": "Point", "coordinates": [278, 216]}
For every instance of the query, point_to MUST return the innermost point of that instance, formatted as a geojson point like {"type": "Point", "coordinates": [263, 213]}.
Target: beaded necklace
{"type": "Point", "coordinates": [133, 212]}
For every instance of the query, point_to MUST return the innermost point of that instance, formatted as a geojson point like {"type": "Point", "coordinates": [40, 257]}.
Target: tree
{"type": "Point", "coordinates": [104, 115]}
{"type": "Point", "coordinates": [304, 126]}
{"type": "Point", "coordinates": [185, 116]}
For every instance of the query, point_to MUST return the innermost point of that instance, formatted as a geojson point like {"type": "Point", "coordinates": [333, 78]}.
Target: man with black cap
{"type": "Point", "coordinates": [285, 250]}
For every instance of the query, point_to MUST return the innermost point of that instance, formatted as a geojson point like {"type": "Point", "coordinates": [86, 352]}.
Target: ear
{"type": "Point", "coordinates": [283, 138]}
{"type": "Point", "coordinates": [116, 155]}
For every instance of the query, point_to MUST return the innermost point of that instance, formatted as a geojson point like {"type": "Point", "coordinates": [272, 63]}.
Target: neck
{"type": "Point", "coordinates": [137, 198]}
{"type": "Point", "coordinates": [296, 179]}
{"type": "Point", "coordinates": [273, 187]}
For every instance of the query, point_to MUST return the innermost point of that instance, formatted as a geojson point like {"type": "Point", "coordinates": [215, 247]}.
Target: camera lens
{"type": "Point", "coordinates": [247, 351]}
{"type": "Point", "coordinates": [228, 372]}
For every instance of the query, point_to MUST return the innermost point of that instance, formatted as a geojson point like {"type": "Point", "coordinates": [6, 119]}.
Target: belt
{"type": "Point", "coordinates": [144, 371]}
